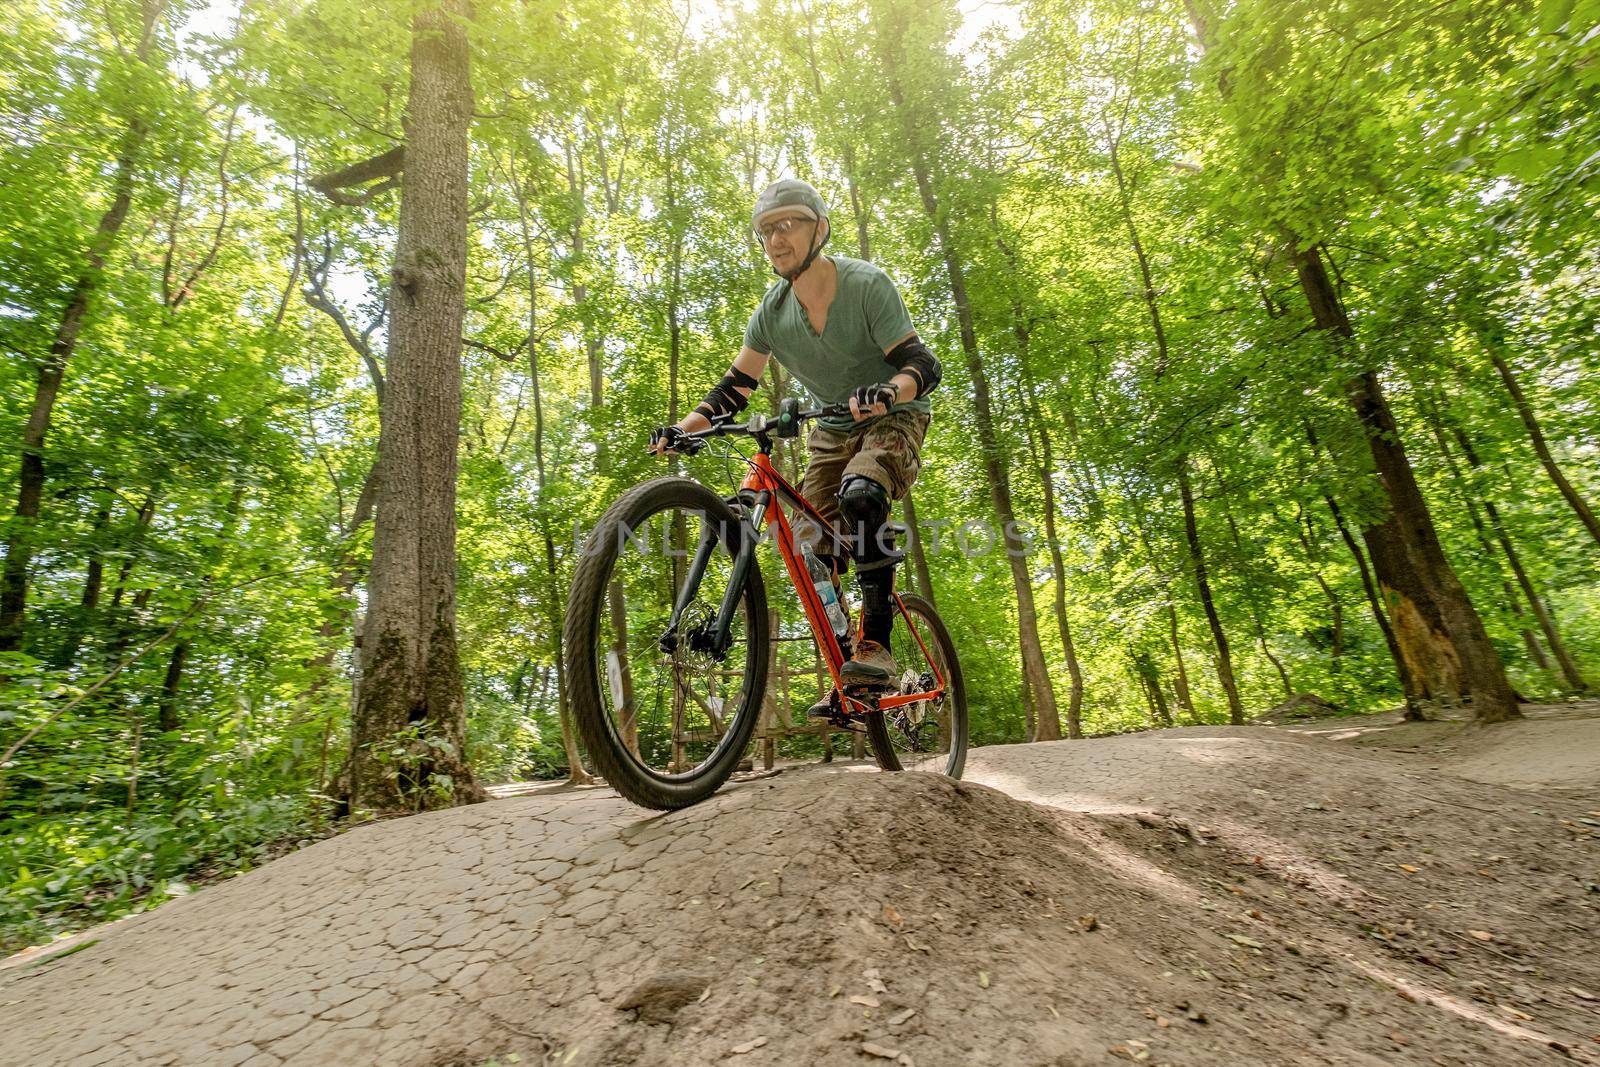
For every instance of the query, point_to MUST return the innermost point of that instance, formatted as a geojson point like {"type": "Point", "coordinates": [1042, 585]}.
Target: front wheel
{"type": "Point", "coordinates": [924, 735]}
{"type": "Point", "coordinates": [664, 707]}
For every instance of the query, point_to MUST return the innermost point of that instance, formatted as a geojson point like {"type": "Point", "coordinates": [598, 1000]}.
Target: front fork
{"type": "Point", "coordinates": [716, 642]}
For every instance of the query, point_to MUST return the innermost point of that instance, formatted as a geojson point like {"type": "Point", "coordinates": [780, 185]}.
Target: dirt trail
{"type": "Point", "coordinates": [1200, 896]}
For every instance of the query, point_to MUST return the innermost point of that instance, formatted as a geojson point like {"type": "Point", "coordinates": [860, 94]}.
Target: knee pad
{"type": "Point", "coordinates": [864, 506]}
{"type": "Point", "coordinates": [862, 501]}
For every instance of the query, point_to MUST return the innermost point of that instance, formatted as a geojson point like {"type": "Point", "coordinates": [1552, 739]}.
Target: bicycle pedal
{"type": "Point", "coordinates": [849, 723]}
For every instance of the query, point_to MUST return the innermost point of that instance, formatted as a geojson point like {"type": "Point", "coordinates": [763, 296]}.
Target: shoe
{"type": "Point", "coordinates": [872, 665]}
{"type": "Point", "coordinates": [823, 708]}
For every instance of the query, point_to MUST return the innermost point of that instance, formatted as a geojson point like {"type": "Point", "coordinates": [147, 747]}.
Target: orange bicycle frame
{"type": "Point", "coordinates": [764, 478]}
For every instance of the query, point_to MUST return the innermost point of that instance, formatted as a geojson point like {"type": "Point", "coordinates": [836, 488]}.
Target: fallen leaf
{"type": "Point", "coordinates": [706, 993]}
{"type": "Point", "coordinates": [1398, 1038]}
{"type": "Point", "coordinates": [865, 1001]}
{"type": "Point", "coordinates": [1053, 1011]}
{"type": "Point", "coordinates": [1247, 942]}
{"type": "Point", "coordinates": [1137, 1051]}
{"type": "Point", "coordinates": [748, 1046]}
{"type": "Point", "coordinates": [874, 982]}
{"type": "Point", "coordinates": [879, 1051]}
{"type": "Point", "coordinates": [892, 915]}
{"type": "Point", "coordinates": [833, 992]}
{"type": "Point", "coordinates": [1581, 994]}
{"type": "Point", "coordinates": [983, 979]}
{"type": "Point", "coordinates": [1410, 869]}
{"type": "Point", "coordinates": [1163, 1022]}
{"type": "Point", "coordinates": [900, 1017]}
{"type": "Point", "coordinates": [914, 945]}
{"type": "Point", "coordinates": [1089, 923]}
{"type": "Point", "coordinates": [1481, 935]}
{"type": "Point", "coordinates": [1514, 1013]}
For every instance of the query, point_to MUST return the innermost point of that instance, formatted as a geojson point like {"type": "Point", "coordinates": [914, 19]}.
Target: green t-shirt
{"type": "Point", "coordinates": [866, 316]}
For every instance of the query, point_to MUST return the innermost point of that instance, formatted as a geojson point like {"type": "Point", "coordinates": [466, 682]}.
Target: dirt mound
{"type": "Point", "coordinates": [1192, 897]}
{"type": "Point", "coordinates": [1302, 707]}
{"type": "Point", "coordinates": [1555, 747]}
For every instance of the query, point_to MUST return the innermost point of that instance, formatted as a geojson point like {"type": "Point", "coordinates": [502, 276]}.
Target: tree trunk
{"type": "Point", "coordinates": [1058, 569]}
{"type": "Point", "coordinates": [1202, 584]}
{"type": "Point", "coordinates": [1437, 629]}
{"type": "Point", "coordinates": [344, 583]}
{"type": "Point", "coordinates": [1033, 663]}
{"type": "Point", "coordinates": [1481, 531]}
{"type": "Point", "coordinates": [919, 553]}
{"type": "Point", "coordinates": [1180, 681]}
{"type": "Point", "coordinates": [1409, 687]}
{"type": "Point", "coordinates": [168, 701]}
{"type": "Point", "coordinates": [93, 583]}
{"type": "Point", "coordinates": [1150, 679]}
{"type": "Point", "coordinates": [1335, 607]}
{"type": "Point", "coordinates": [1148, 294]}
{"type": "Point", "coordinates": [409, 736]}
{"type": "Point", "coordinates": [576, 774]}
{"type": "Point", "coordinates": [1579, 505]}
{"type": "Point", "coordinates": [1536, 603]}
{"type": "Point", "coordinates": [51, 370]}
{"type": "Point", "coordinates": [594, 350]}
{"type": "Point", "coordinates": [1255, 612]}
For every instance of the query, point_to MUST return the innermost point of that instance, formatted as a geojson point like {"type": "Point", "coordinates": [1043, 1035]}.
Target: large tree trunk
{"type": "Point", "coordinates": [1438, 631]}
{"type": "Point", "coordinates": [409, 736]}
{"type": "Point", "coordinates": [48, 376]}
{"type": "Point", "coordinates": [1202, 582]}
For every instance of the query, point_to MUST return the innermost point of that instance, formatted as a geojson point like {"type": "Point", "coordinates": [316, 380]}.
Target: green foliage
{"type": "Point", "coordinates": [1123, 188]}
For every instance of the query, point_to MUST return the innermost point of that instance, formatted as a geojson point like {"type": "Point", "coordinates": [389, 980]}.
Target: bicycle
{"type": "Point", "coordinates": [662, 716]}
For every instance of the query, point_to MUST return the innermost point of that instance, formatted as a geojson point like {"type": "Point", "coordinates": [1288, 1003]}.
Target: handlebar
{"type": "Point", "coordinates": [786, 423]}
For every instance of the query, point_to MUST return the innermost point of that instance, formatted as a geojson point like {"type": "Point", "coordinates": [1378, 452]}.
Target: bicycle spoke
{"type": "Point", "coordinates": [680, 733]}
{"type": "Point", "coordinates": [921, 734]}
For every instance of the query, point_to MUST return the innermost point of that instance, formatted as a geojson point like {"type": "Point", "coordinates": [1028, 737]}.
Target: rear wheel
{"type": "Point", "coordinates": [925, 735]}
{"type": "Point", "coordinates": [664, 715]}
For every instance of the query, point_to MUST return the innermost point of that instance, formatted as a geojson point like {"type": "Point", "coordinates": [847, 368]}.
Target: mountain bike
{"type": "Point", "coordinates": [668, 635]}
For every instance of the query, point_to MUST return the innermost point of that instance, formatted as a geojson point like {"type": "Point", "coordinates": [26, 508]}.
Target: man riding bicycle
{"type": "Point", "coordinates": [846, 336]}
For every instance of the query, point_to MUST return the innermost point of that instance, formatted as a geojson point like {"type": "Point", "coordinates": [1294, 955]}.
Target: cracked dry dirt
{"type": "Point", "coordinates": [1200, 896]}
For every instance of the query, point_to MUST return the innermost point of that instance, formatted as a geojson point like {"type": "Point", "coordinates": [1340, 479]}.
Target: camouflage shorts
{"type": "Point", "coordinates": [888, 450]}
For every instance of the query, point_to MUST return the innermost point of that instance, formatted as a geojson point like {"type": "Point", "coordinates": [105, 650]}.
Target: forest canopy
{"type": "Point", "coordinates": [1272, 325]}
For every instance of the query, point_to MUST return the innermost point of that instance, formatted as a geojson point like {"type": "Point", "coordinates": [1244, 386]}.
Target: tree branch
{"type": "Point", "coordinates": [316, 295]}
{"type": "Point", "coordinates": [386, 167]}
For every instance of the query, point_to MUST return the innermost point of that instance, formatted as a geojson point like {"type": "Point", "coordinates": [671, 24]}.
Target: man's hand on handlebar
{"type": "Point", "coordinates": [872, 400]}
{"type": "Point", "coordinates": [665, 440]}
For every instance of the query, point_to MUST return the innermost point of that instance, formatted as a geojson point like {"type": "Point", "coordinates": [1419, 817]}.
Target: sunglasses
{"type": "Point", "coordinates": [782, 226]}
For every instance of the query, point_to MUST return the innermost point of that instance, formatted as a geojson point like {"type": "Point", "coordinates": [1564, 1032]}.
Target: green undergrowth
{"type": "Point", "coordinates": [69, 872]}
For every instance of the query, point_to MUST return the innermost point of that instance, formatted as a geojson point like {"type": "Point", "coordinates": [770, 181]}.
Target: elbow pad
{"type": "Point", "coordinates": [912, 357]}
{"type": "Point", "coordinates": [724, 397]}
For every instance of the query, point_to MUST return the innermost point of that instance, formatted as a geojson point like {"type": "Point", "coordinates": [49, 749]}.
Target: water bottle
{"type": "Point", "coordinates": [822, 578]}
